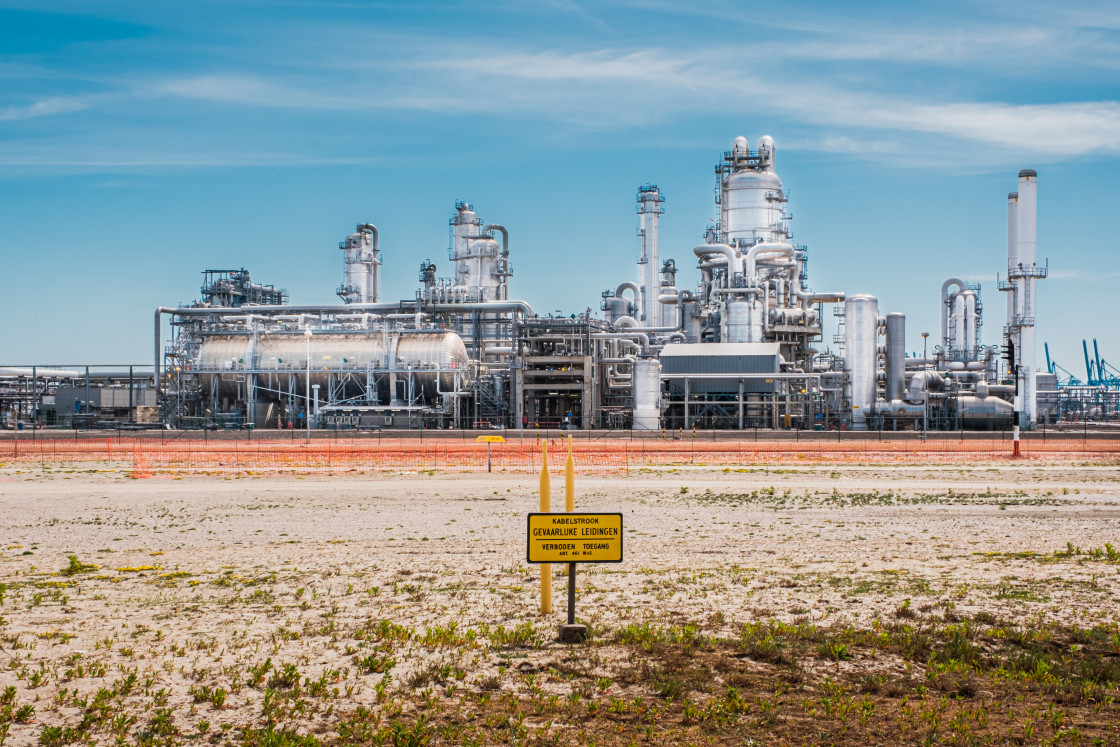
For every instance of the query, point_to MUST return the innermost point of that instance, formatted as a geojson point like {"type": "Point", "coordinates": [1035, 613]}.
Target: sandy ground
{"type": "Point", "coordinates": [201, 577]}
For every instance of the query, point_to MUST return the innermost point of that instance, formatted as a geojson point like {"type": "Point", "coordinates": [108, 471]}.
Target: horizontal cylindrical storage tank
{"type": "Point", "coordinates": [861, 322]}
{"type": "Point", "coordinates": [646, 387]}
{"type": "Point", "coordinates": [430, 358]}
{"type": "Point", "coordinates": [984, 412]}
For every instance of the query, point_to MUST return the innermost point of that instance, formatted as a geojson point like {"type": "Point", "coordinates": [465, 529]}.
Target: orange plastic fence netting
{"type": "Point", "coordinates": [144, 456]}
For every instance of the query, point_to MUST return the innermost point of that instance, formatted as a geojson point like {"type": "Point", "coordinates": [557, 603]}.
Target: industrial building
{"type": "Point", "coordinates": [739, 346]}
{"type": "Point", "coordinates": [735, 342]}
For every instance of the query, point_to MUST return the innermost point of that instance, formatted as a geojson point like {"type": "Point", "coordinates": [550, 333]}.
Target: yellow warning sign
{"type": "Point", "coordinates": [490, 440]}
{"type": "Point", "coordinates": [575, 538]}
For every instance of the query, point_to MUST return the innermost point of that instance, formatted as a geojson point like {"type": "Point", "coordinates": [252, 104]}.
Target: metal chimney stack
{"type": "Point", "coordinates": [1023, 271]}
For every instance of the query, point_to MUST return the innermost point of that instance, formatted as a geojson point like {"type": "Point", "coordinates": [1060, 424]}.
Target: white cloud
{"type": "Point", "coordinates": [44, 108]}
{"type": "Point", "coordinates": [665, 84]}
{"type": "Point", "coordinates": [1071, 129]}
{"type": "Point", "coordinates": [252, 91]}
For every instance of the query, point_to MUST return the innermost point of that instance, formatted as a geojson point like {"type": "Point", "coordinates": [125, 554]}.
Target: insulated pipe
{"type": "Point", "coordinates": [808, 299]}
{"type": "Point", "coordinates": [514, 306]}
{"type": "Point", "coordinates": [703, 251]}
{"type": "Point", "coordinates": [683, 297]}
{"type": "Point", "coordinates": [331, 309]}
{"type": "Point", "coordinates": [46, 373]}
{"type": "Point", "coordinates": [945, 308]}
{"type": "Point", "coordinates": [630, 335]}
{"type": "Point", "coordinates": [921, 384]}
{"type": "Point", "coordinates": [369, 228]}
{"type": "Point", "coordinates": [505, 236]}
{"type": "Point", "coordinates": [628, 285]}
{"type": "Point", "coordinates": [753, 254]}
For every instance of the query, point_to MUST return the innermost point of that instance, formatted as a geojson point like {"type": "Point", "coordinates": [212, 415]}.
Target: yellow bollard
{"type": "Point", "coordinates": [546, 507]}
{"type": "Point", "coordinates": [570, 481]}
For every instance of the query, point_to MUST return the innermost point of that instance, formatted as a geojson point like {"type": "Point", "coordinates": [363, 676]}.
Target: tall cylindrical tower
{"type": "Point", "coordinates": [1026, 270]}
{"type": "Point", "coordinates": [971, 325]}
{"type": "Point", "coordinates": [475, 255]}
{"type": "Point", "coordinates": [1012, 256]}
{"type": "Point", "coordinates": [649, 212]}
{"type": "Point", "coordinates": [861, 349]}
{"type": "Point", "coordinates": [645, 382]}
{"type": "Point", "coordinates": [360, 282]}
{"type": "Point", "coordinates": [896, 356]}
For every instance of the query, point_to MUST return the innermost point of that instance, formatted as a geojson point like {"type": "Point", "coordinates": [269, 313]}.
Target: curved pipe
{"type": "Point", "coordinates": [777, 248]}
{"type": "Point", "coordinates": [703, 251]}
{"type": "Point", "coordinates": [945, 308]}
{"type": "Point", "coordinates": [505, 236]}
{"type": "Point", "coordinates": [622, 287]}
{"type": "Point", "coordinates": [682, 298]}
{"type": "Point", "coordinates": [369, 227]}
{"type": "Point", "coordinates": [629, 334]}
{"type": "Point", "coordinates": [808, 299]}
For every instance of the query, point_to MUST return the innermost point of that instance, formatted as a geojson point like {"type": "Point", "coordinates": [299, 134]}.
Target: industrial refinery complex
{"type": "Point", "coordinates": [729, 334]}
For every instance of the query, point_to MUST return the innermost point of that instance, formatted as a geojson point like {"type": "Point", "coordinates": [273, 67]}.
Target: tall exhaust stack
{"type": "Point", "coordinates": [650, 210]}
{"type": "Point", "coordinates": [1024, 273]}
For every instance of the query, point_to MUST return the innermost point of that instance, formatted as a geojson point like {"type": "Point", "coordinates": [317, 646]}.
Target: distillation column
{"type": "Point", "coordinates": [360, 282]}
{"type": "Point", "coordinates": [477, 258]}
{"type": "Point", "coordinates": [649, 211]}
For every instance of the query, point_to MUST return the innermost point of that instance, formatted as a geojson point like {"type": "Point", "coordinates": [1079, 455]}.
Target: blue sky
{"type": "Point", "coordinates": [141, 143]}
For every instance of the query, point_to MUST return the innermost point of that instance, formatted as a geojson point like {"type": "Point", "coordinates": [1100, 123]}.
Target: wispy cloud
{"type": "Point", "coordinates": [44, 108]}
{"type": "Point", "coordinates": [797, 73]}
{"type": "Point", "coordinates": [1071, 128]}
{"type": "Point", "coordinates": [252, 90]}
{"type": "Point", "coordinates": [1048, 129]}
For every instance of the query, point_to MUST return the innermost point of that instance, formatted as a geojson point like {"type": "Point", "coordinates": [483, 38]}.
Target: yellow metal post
{"type": "Point", "coordinates": [570, 481]}
{"type": "Point", "coordinates": [546, 507]}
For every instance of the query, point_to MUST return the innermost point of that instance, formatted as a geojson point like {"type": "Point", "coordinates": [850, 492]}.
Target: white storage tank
{"type": "Point", "coordinates": [861, 340]}
{"type": "Point", "coordinates": [646, 386]}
